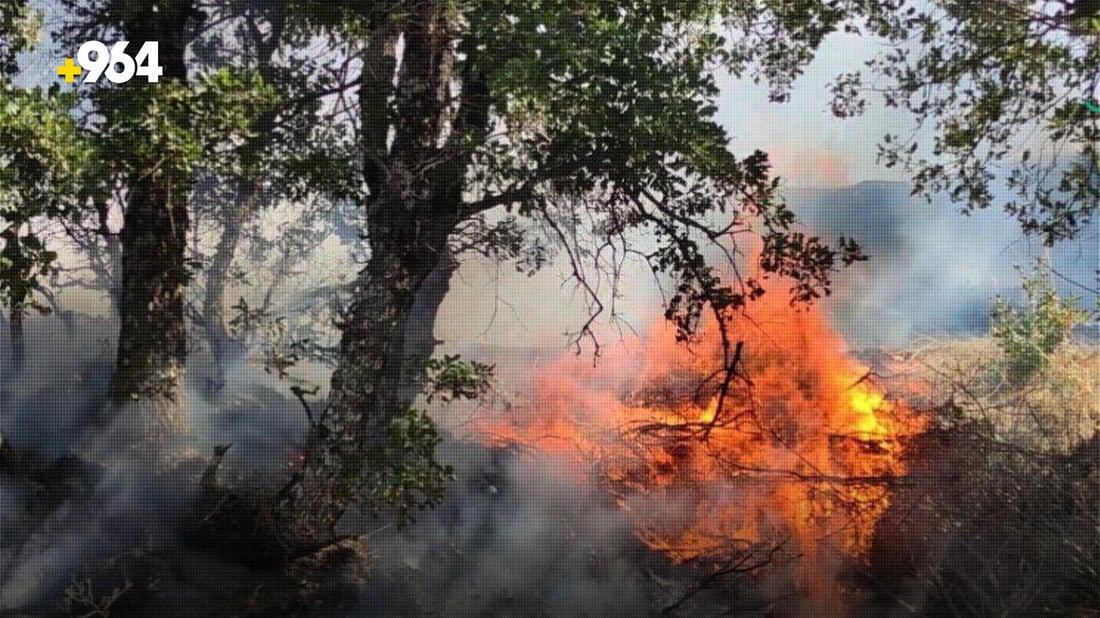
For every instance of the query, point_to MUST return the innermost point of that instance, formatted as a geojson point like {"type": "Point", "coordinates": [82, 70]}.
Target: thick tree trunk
{"type": "Point", "coordinates": [365, 388]}
{"type": "Point", "coordinates": [416, 188]}
{"type": "Point", "coordinates": [152, 342]}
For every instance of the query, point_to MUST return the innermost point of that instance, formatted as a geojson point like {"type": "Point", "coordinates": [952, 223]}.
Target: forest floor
{"type": "Point", "coordinates": [1000, 516]}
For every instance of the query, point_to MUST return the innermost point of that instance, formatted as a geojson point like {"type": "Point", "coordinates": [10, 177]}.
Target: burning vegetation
{"type": "Point", "coordinates": [791, 451]}
{"type": "Point", "coordinates": [939, 478]}
{"type": "Point", "coordinates": [221, 291]}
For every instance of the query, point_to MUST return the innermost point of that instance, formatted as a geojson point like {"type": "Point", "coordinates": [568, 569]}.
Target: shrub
{"type": "Point", "coordinates": [1028, 335]}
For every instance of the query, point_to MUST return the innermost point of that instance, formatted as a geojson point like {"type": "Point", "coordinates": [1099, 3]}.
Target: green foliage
{"type": "Point", "coordinates": [43, 165]}
{"type": "Point", "coordinates": [1028, 335]}
{"type": "Point", "coordinates": [402, 475]}
{"type": "Point", "coordinates": [44, 160]}
{"type": "Point", "coordinates": [452, 378]}
{"type": "Point", "coordinates": [1001, 84]}
{"type": "Point", "coordinates": [19, 28]}
{"type": "Point", "coordinates": [42, 173]}
{"type": "Point", "coordinates": [613, 105]}
{"type": "Point", "coordinates": [225, 106]}
{"type": "Point", "coordinates": [22, 265]}
{"type": "Point", "coordinates": [280, 350]}
{"type": "Point", "coordinates": [147, 132]}
{"type": "Point", "coordinates": [166, 129]}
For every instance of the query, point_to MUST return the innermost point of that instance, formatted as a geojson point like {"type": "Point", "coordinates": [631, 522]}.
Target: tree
{"type": "Point", "coordinates": [42, 169]}
{"type": "Point", "coordinates": [594, 118]}
{"type": "Point", "coordinates": [151, 136]}
{"type": "Point", "coordinates": [1029, 334]}
{"type": "Point", "coordinates": [17, 31]}
{"type": "Point", "coordinates": [247, 183]}
{"type": "Point", "coordinates": [1001, 85]}
{"type": "Point", "coordinates": [147, 132]}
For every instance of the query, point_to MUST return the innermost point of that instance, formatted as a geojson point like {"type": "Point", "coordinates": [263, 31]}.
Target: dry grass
{"type": "Point", "coordinates": [1001, 514]}
{"type": "Point", "coordinates": [1051, 411]}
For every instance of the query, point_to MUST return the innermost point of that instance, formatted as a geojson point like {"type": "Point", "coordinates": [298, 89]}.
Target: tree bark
{"type": "Point", "coordinates": [152, 343]}
{"type": "Point", "coordinates": [366, 385]}
{"type": "Point", "coordinates": [15, 334]}
{"type": "Point", "coordinates": [16, 300]}
{"type": "Point", "coordinates": [416, 187]}
{"type": "Point", "coordinates": [107, 266]}
{"type": "Point", "coordinates": [420, 341]}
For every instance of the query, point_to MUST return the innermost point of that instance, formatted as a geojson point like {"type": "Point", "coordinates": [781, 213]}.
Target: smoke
{"type": "Point", "coordinates": [47, 405]}
{"type": "Point", "coordinates": [126, 508]}
{"type": "Point", "coordinates": [520, 535]}
{"type": "Point", "coordinates": [73, 497]}
{"type": "Point", "coordinates": [517, 534]}
{"type": "Point", "coordinates": [931, 270]}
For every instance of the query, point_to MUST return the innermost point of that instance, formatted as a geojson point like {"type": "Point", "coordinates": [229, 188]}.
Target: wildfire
{"type": "Point", "coordinates": [801, 450]}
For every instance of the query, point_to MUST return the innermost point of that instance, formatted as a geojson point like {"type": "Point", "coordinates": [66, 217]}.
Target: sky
{"type": "Point", "coordinates": [809, 147]}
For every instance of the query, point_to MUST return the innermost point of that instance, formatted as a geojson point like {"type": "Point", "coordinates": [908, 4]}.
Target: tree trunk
{"type": "Point", "coordinates": [108, 265]}
{"type": "Point", "coordinates": [152, 342]}
{"type": "Point", "coordinates": [365, 388]}
{"type": "Point", "coordinates": [221, 343]}
{"type": "Point", "coordinates": [416, 187]}
{"type": "Point", "coordinates": [17, 296]}
{"type": "Point", "coordinates": [15, 334]}
{"type": "Point", "coordinates": [217, 276]}
{"type": "Point", "coordinates": [420, 341]}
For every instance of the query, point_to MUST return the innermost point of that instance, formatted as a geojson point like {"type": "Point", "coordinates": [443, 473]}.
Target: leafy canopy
{"type": "Point", "coordinates": [1000, 84]}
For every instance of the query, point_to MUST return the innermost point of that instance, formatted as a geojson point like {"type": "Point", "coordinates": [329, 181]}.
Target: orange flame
{"type": "Point", "coordinates": [802, 453]}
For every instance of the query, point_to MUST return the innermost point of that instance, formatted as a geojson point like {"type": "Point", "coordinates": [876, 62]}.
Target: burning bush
{"type": "Point", "coordinates": [732, 456]}
{"type": "Point", "coordinates": [794, 453]}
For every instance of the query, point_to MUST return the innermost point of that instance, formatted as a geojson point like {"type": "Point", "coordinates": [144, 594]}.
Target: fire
{"type": "Point", "coordinates": [801, 451]}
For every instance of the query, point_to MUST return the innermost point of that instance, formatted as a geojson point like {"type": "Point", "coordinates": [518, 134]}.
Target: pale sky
{"type": "Point", "coordinates": [810, 147]}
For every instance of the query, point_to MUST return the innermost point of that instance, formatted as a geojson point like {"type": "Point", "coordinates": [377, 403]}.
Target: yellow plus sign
{"type": "Point", "coordinates": [69, 70]}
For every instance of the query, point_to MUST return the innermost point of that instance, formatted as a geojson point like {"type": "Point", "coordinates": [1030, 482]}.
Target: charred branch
{"type": "Point", "coordinates": [741, 563]}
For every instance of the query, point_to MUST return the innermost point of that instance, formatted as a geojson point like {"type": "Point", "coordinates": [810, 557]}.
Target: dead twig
{"type": "Point", "coordinates": [300, 394]}
{"type": "Point", "coordinates": [736, 564]}
{"type": "Point", "coordinates": [79, 593]}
